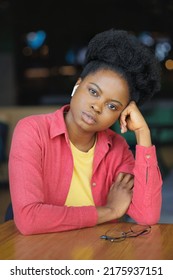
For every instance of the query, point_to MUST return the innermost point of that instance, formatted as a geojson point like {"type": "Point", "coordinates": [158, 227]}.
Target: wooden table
{"type": "Point", "coordinates": [85, 244]}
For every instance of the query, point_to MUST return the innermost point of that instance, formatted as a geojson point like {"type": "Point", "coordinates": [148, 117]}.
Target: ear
{"type": "Point", "coordinates": [74, 89]}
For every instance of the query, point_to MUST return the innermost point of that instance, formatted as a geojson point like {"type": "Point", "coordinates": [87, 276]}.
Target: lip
{"type": "Point", "coordinates": [88, 118]}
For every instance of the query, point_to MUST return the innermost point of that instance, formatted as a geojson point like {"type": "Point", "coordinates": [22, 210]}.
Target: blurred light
{"type": "Point", "coordinates": [35, 39]}
{"type": "Point", "coordinates": [67, 70]}
{"type": "Point", "coordinates": [76, 56]}
{"type": "Point", "coordinates": [80, 57]}
{"type": "Point", "coordinates": [162, 50]}
{"type": "Point", "coordinates": [33, 73]}
{"type": "Point", "coordinates": [146, 38]}
{"type": "Point", "coordinates": [44, 50]}
{"type": "Point", "coordinates": [169, 64]}
{"type": "Point", "coordinates": [70, 57]}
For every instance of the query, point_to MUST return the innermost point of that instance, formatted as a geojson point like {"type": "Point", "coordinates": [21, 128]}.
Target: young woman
{"type": "Point", "coordinates": [67, 169]}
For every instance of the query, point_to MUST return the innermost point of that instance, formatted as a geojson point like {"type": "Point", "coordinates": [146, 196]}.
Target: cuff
{"type": "Point", "coordinates": [146, 154]}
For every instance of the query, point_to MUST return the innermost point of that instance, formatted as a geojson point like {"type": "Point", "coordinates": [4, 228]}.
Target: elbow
{"type": "Point", "coordinates": [24, 224]}
{"type": "Point", "coordinates": [27, 220]}
{"type": "Point", "coordinates": [23, 227]}
{"type": "Point", "coordinates": [154, 219]}
{"type": "Point", "coordinates": [150, 218]}
{"type": "Point", "coordinates": [153, 213]}
{"type": "Point", "coordinates": [147, 214]}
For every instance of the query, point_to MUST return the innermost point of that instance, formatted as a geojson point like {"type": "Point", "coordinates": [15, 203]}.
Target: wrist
{"type": "Point", "coordinates": [143, 137]}
{"type": "Point", "coordinates": [105, 214]}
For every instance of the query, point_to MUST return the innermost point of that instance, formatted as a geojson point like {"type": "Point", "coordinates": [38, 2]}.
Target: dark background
{"type": "Point", "coordinates": [39, 76]}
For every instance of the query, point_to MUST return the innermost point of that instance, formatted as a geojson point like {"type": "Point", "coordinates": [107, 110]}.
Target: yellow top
{"type": "Point", "coordinates": [80, 193]}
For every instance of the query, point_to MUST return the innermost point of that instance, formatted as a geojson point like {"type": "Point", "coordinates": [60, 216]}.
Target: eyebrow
{"type": "Point", "coordinates": [101, 92]}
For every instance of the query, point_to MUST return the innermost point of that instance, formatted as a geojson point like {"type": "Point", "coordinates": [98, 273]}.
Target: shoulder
{"type": "Point", "coordinates": [34, 121]}
{"type": "Point", "coordinates": [34, 126]}
{"type": "Point", "coordinates": [45, 126]}
{"type": "Point", "coordinates": [43, 120]}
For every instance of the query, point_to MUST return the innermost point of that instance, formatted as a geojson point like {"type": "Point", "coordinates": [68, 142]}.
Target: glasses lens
{"type": "Point", "coordinates": [140, 230]}
{"type": "Point", "coordinates": [116, 239]}
{"type": "Point", "coordinates": [113, 238]}
{"type": "Point", "coordinates": [114, 235]}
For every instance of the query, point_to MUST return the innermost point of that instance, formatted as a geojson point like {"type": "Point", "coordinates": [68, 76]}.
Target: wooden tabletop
{"type": "Point", "coordinates": [85, 244]}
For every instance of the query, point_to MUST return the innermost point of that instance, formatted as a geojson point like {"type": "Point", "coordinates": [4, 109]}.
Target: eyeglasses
{"type": "Point", "coordinates": [115, 235]}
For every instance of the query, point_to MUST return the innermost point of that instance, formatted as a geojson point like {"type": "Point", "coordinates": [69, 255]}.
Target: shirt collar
{"type": "Point", "coordinates": [58, 126]}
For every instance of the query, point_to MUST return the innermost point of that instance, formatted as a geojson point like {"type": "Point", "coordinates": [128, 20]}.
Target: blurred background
{"type": "Point", "coordinates": [42, 50]}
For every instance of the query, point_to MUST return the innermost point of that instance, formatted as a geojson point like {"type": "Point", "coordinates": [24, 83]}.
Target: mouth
{"type": "Point", "coordinates": [88, 118]}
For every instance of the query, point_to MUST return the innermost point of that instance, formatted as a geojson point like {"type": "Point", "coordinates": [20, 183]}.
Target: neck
{"type": "Point", "coordinates": [81, 139]}
{"type": "Point", "coordinates": [83, 145]}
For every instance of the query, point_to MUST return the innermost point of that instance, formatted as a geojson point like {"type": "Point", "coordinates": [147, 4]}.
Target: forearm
{"type": "Point", "coordinates": [143, 137]}
{"type": "Point", "coordinates": [39, 207]}
{"type": "Point", "coordinates": [146, 202]}
{"type": "Point", "coordinates": [36, 218]}
{"type": "Point", "coordinates": [34, 213]}
{"type": "Point", "coordinates": [105, 214]}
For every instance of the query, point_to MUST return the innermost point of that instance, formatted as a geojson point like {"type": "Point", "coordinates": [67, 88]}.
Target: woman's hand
{"type": "Point", "coordinates": [132, 119]}
{"type": "Point", "coordinates": [118, 200]}
{"type": "Point", "coordinates": [120, 194]}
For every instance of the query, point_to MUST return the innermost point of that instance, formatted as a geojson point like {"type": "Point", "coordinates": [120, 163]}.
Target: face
{"type": "Point", "coordinates": [98, 101]}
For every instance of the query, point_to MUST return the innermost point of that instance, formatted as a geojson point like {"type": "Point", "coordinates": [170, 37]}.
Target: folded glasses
{"type": "Point", "coordinates": [116, 235]}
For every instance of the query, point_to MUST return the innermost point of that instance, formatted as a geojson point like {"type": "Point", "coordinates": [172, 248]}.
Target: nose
{"type": "Point", "coordinates": [97, 108]}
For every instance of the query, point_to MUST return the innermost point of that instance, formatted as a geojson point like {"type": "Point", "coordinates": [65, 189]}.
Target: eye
{"type": "Point", "coordinates": [112, 106]}
{"type": "Point", "coordinates": [93, 92]}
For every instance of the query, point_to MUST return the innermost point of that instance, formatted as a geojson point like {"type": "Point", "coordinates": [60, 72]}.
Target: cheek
{"type": "Point", "coordinates": [75, 102]}
{"type": "Point", "coordinates": [78, 99]}
{"type": "Point", "coordinates": [111, 118]}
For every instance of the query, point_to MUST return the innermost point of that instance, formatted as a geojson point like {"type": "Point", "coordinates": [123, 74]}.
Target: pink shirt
{"type": "Point", "coordinates": [40, 172]}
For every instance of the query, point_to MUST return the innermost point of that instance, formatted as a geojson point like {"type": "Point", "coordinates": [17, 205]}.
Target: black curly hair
{"type": "Point", "coordinates": [121, 52]}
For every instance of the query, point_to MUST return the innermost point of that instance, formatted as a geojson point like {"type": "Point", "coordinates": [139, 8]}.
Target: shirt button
{"type": "Point", "coordinates": [94, 184]}
{"type": "Point", "coordinates": [148, 156]}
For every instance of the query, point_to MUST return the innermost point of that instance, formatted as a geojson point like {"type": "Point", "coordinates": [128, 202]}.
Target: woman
{"type": "Point", "coordinates": [67, 169]}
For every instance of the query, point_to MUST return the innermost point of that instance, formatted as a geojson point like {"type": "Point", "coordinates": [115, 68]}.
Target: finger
{"type": "Point", "coordinates": [123, 129]}
{"type": "Point", "coordinates": [130, 185]}
{"type": "Point", "coordinates": [123, 122]}
{"type": "Point", "coordinates": [120, 176]}
{"type": "Point", "coordinates": [128, 177]}
{"type": "Point", "coordinates": [127, 181]}
{"type": "Point", "coordinates": [123, 118]}
{"type": "Point", "coordinates": [124, 176]}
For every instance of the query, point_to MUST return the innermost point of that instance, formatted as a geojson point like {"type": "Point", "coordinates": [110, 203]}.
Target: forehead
{"type": "Point", "coordinates": [107, 75]}
{"type": "Point", "coordinates": [108, 81]}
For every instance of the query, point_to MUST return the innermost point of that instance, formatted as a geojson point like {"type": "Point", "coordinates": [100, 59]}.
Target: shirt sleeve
{"type": "Point", "coordinates": [32, 213]}
{"type": "Point", "coordinates": [146, 203]}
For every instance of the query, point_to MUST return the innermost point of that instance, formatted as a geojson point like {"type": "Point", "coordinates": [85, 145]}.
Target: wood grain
{"type": "Point", "coordinates": [85, 244]}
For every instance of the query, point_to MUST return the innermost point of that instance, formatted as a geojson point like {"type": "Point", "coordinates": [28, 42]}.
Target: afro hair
{"type": "Point", "coordinates": [122, 52]}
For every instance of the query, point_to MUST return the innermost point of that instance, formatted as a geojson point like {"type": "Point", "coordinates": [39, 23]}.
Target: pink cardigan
{"type": "Point", "coordinates": [40, 172]}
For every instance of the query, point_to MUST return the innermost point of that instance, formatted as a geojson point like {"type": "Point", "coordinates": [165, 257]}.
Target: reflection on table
{"type": "Point", "coordinates": [85, 244]}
